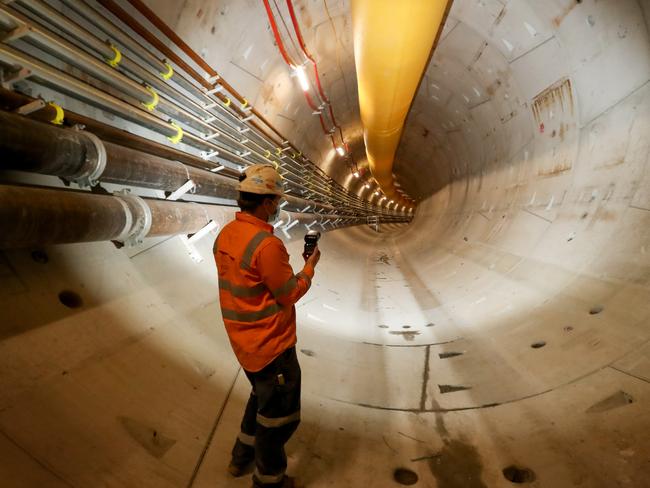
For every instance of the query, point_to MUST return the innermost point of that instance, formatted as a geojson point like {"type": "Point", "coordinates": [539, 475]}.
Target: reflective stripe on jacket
{"type": "Point", "coordinates": [257, 290]}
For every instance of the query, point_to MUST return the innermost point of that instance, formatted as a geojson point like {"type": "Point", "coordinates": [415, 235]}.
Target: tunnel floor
{"type": "Point", "coordinates": [136, 381]}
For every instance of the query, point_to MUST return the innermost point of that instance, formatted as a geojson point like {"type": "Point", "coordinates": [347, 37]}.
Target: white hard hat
{"type": "Point", "coordinates": [262, 179]}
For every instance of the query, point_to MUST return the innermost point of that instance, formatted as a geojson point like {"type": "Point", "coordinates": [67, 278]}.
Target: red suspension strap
{"type": "Point", "coordinates": [290, 62]}
{"type": "Point", "coordinates": [276, 34]}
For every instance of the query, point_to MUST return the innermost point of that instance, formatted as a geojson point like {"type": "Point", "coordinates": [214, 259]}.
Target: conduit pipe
{"type": "Point", "coordinates": [51, 77]}
{"type": "Point", "coordinates": [153, 79]}
{"type": "Point", "coordinates": [11, 100]}
{"type": "Point", "coordinates": [392, 44]}
{"type": "Point", "coordinates": [121, 14]}
{"type": "Point", "coordinates": [108, 75]}
{"type": "Point", "coordinates": [102, 71]}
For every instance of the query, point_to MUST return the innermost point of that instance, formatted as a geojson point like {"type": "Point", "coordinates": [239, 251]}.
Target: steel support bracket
{"type": "Point", "coordinates": [188, 186]}
{"type": "Point", "coordinates": [14, 77]}
{"type": "Point", "coordinates": [30, 107]}
{"type": "Point", "coordinates": [189, 242]}
{"type": "Point", "coordinates": [15, 33]}
{"type": "Point", "coordinates": [285, 230]}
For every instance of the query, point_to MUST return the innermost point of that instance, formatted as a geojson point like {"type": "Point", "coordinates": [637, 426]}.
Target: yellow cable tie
{"type": "Point", "coordinates": [179, 134]}
{"type": "Point", "coordinates": [278, 151]}
{"type": "Point", "coordinates": [227, 102]}
{"type": "Point", "coordinates": [170, 72]}
{"type": "Point", "coordinates": [277, 166]}
{"type": "Point", "coordinates": [60, 115]}
{"type": "Point", "coordinates": [154, 99]}
{"type": "Point", "coordinates": [116, 58]}
{"type": "Point", "coordinates": [267, 155]}
{"type": "Point", "coordinates": [245, 104]}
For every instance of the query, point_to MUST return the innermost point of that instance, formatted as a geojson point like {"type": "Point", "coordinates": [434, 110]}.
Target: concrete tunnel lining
{"type": "Point", "coordinates": [535, 211]}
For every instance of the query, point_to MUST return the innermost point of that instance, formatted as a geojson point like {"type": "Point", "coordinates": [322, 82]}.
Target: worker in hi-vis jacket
{"type": "Point", "coordinates": [257, 293]}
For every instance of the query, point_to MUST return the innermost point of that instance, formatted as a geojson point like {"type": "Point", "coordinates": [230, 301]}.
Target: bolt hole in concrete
{"type": "Point", "coordinates": [518, 475]}
{"type": "Point", "coordinates": [430, 324]}
{"type": "Point", "coordinates": [538, 344]}
{"type": "Point", "coordinates": [40, 257]}
{"type": "Point", "coordinates": [405, 476]}
{"type": "Point", "coordinates": [406, 326]}
{"type": "Point", "coordinates": [70, 299]}
{"type": "Point", "coordinates": [383, 326]}
{"type": "Point", "coordinates": [596, 310]}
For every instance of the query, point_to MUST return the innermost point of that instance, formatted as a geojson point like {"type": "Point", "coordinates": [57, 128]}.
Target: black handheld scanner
{"type": "Point", "coordinates": [311, 241]}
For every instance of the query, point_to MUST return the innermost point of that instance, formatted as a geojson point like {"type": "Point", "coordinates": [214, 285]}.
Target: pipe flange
{"type": "Point", "coordinates": [128, 221]}
{"type": "Point", "coordinates": [141, 219]}
{"type": "Point", "coordinates": [95, 164]}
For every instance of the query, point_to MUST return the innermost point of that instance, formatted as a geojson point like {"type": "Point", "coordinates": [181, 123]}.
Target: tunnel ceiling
{"type": "Point", "coordinates": [478, 82]}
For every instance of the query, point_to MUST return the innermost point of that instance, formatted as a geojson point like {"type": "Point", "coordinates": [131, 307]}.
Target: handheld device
{"type": "Point", "coordinates": [311, 241]}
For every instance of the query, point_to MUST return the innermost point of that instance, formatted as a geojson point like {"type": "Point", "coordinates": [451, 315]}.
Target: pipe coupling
{"type": "Point", "coordinates": [138, 219]}
{"type": "Point", "coordinates": [95, 163]}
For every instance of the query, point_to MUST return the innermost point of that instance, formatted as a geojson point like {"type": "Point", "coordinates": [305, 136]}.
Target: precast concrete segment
{"type": "Point", "coordinates": [525, 274]}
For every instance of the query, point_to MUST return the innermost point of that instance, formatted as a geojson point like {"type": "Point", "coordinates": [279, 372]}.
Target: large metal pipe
{"type": "Point", "coordinates": [198, 113]}
{"type": "Point", "coordinates": [134, 92]}
{"type": "Point", "coordinates": [31, 216]}
{"type": "Point", "coordinates": [38, 216]}
{"type": "Point", "coordinates": [50, 41]}
{"type": "Point", "coordinates": [13, 101]}
{"type": "Point", "coordinates": [28, 145]}
{"type": "Point", "coordinates": [392, 44]}
{"type": "Point", "coordinates": [50, 76]}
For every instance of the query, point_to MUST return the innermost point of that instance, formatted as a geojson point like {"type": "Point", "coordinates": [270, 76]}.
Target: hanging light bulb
{"type": "Point", "coordinates": [302, 78]}
{"type": "Point", "coordinates": [356, 174]}
{"type": "Point", "coordinates": [340, 150]}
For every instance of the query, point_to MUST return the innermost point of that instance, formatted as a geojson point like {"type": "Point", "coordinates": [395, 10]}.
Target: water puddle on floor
{"type": "Point", "coordinates": [458, 465]}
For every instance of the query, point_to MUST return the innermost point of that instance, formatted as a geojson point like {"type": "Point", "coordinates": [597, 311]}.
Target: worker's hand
{"type": "Point", "coordinates": [313, 259]}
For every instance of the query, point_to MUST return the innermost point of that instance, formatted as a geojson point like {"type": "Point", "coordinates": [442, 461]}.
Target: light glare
{"type": "Point", "coordinates": [302, 78]}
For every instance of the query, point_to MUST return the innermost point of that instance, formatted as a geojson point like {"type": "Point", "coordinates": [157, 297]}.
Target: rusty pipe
{"type": "Point", "coordinates": [28, 145]}
{"type": "Point", "coordinates": [38, 216]}
{"type": "Point", "coordinates": [32, 216]}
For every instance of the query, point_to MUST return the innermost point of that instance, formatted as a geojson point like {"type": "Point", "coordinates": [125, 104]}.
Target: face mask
{"type": "Point", "coordinates": [274, 216]}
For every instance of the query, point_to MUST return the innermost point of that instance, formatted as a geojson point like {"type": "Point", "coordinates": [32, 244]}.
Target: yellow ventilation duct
{"type": "Point", "coordinates": [392, 44]}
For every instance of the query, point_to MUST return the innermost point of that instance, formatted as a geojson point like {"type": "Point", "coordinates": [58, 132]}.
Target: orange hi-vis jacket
{"type": "Point", "coordinates": [257, 290]}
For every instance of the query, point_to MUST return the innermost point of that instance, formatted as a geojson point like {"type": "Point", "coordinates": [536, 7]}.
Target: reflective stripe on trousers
{"type": "Point", "coordinates": [273, 414]}
{"type": "Point", "coordinates": [268, 478]}
{"type": "Point", "coordinates": [275, 422]}
{"type": "Point", "coordinates": [247, 440]}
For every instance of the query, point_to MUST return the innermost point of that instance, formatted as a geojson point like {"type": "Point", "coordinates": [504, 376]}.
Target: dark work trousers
{"type": "Point", "coordinates": [271, 417]}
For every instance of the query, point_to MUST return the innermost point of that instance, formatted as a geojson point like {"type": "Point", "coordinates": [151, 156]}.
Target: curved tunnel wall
{"type": "Point", "coordinates": [416, 342]}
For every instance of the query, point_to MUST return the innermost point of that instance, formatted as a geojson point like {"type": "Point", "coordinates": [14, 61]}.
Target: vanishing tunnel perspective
{"type": "Point", "coordinates": [479, 174]}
